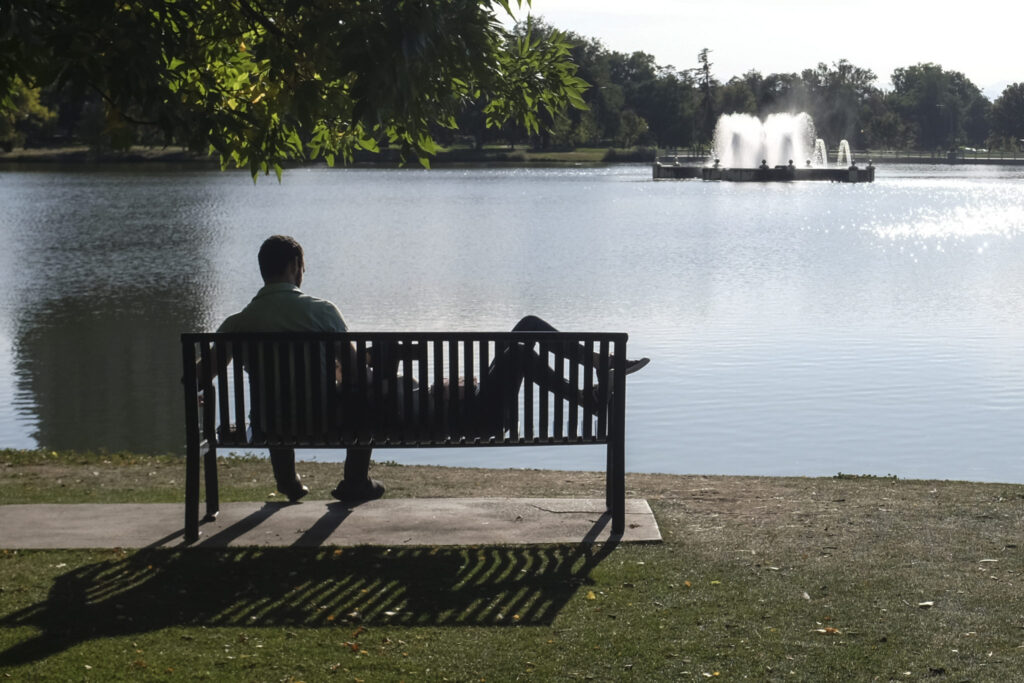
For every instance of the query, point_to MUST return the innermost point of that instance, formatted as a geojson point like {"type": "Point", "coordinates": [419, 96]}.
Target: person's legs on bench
{"type": "Point", "coordinates": [357, 486]}
{"type": "Point", "coordinates": [532, 323]}
{"type": "Point", "coordinates": [500, 386]}
{"type": "Point", "coordinates": [282, 460]}
{"type": "Point", "coordinates": [501, 383]}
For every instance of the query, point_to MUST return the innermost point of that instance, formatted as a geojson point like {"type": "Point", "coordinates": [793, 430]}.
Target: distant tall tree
{"type": "Point", "coordinates": [669, 106]}
{"type": "Point", "coordinates": [977, 119]}
{"type": "Point", "coordinates": [839, 95]}
{"type": "Point", "coordinates": [605, 98]}
{"type": "Point", "coordinates": [659, 95]}
{"type": "Point", "coordinates": [1008, 114]}
{"type": "Point", "coordinates": [944, 108]}
{"type": "Point", "coordinates": [736, 97]}
{"type": "Point", "coordinates": [889, 131]}
{"type": "Point", "coordinates": [760, 89]}
{"type": "Point", "coordinates": [706, 85]}
{"type": "Point", "coordinates": [882, 125]}
{"type": "Point", "coordinates": [632, 129]}
{"type": "Point", "coordinates": [631, 99]}
{"type": "Point", "coordinates": [777, 93]}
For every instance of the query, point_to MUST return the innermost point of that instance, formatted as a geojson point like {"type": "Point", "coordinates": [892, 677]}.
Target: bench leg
{"type": "Point", "coordinates": [616, 482]}
{"type": "Point", "coordinates": [615, 488]}
{"type": "Point", "coordinates": [192, 493]}
{"type": "Point", "coordinates": [212, 490]}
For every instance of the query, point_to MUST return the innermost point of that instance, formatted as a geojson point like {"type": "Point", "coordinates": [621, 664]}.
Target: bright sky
{"type": "Point", "coordinates": [981, 38]}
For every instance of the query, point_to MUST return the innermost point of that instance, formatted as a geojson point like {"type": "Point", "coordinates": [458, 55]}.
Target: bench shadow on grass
{"type": "Point", "coordinates": [306, 587]}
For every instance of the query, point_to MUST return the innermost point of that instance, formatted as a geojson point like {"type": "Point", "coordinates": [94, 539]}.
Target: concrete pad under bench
{"type": "Point", "coordinates": [389, 521]}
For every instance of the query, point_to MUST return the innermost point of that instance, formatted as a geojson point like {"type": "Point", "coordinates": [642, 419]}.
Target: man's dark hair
{"type": "Point", "coordinates": [276, 253]}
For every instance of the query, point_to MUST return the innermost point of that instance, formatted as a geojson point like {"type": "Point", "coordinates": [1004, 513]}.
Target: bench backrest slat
{"type": "Point", "coordinates": [239, 394]}
{"type": "Point", "coordinates": [574, 378]}
{"type": "Point", "coordinates": [398, 389]}
{"type": "Point", "coordinates": [602, 395]}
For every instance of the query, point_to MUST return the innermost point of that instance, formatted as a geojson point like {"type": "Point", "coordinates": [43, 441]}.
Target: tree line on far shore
{"type": "Point", "coordinates": [630, 100]}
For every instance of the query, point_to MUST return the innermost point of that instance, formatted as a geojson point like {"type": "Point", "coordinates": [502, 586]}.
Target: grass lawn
{"type": "Point", "coordinates": [759, 579]}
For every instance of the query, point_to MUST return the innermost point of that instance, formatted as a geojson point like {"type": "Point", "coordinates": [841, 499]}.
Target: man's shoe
{"type": "Point", "coordinates": [295, 493]}
{"type": "Point", "coordinates": [358, 492]}
{"type": "Point", "coordinates": [634, 365]}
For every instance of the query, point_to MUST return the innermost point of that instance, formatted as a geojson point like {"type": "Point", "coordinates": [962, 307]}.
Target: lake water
{"type": "Point", "coordinates": [794, 329]}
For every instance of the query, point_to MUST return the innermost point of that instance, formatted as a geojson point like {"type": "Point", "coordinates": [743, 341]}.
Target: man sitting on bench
{"type": "Point", "coordinates": [280, 306]}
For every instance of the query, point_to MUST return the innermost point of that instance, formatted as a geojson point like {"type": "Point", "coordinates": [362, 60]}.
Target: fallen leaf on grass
{"type": "Point", "coordinates": [828, 630]}
{"type": "Point", "coordinates": [926, 604]}
{"type": "Point", "coordinates": [591, 595]}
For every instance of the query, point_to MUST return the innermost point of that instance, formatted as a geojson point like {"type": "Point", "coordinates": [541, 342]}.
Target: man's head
{"type": "Point", "coordinates": [281, 260]}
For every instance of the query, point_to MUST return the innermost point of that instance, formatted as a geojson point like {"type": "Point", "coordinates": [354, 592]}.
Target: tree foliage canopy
{"type": "Point", "coordinates": [945, 106]}
{"type": "Point", "coordinates": [1008, 113]}
{"type": "Point", "coordinates": [23, 106]}
{"type": "Point", "coordinates": [264, 81]}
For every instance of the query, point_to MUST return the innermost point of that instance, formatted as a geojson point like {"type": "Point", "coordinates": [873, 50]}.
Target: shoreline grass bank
{"type": "Point", "coordinates": [456, 156]}
{"type": "Point", "coordinates": [758, 578]}
{"type": "Point", "coordinates": [491, 155]}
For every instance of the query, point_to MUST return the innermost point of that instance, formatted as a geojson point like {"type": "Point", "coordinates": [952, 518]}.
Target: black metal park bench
{"type": "Point", "coordinates": [393, 390]}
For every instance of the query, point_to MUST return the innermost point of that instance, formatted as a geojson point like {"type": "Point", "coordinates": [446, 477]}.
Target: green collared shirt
{"type": "Point", "coordinates": [283, 307]}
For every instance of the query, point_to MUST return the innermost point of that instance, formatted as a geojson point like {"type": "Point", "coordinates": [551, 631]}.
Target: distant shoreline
{"type": "Point", "coordinates": [500, 156]}
{"type": "Point", "coordinates": [177, 155]}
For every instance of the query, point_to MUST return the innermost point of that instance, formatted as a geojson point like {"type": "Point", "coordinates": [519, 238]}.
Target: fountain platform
{"type": "Point", "coordinates": [782, 148]}
{"type": "Point", "coordinates": [778, 174]}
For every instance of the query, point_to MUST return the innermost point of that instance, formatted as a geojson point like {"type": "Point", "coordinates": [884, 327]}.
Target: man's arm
{"type": "Point", "coordinates": [345, 357]}
{"type": "Point", "coordinates": [201, 372]}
